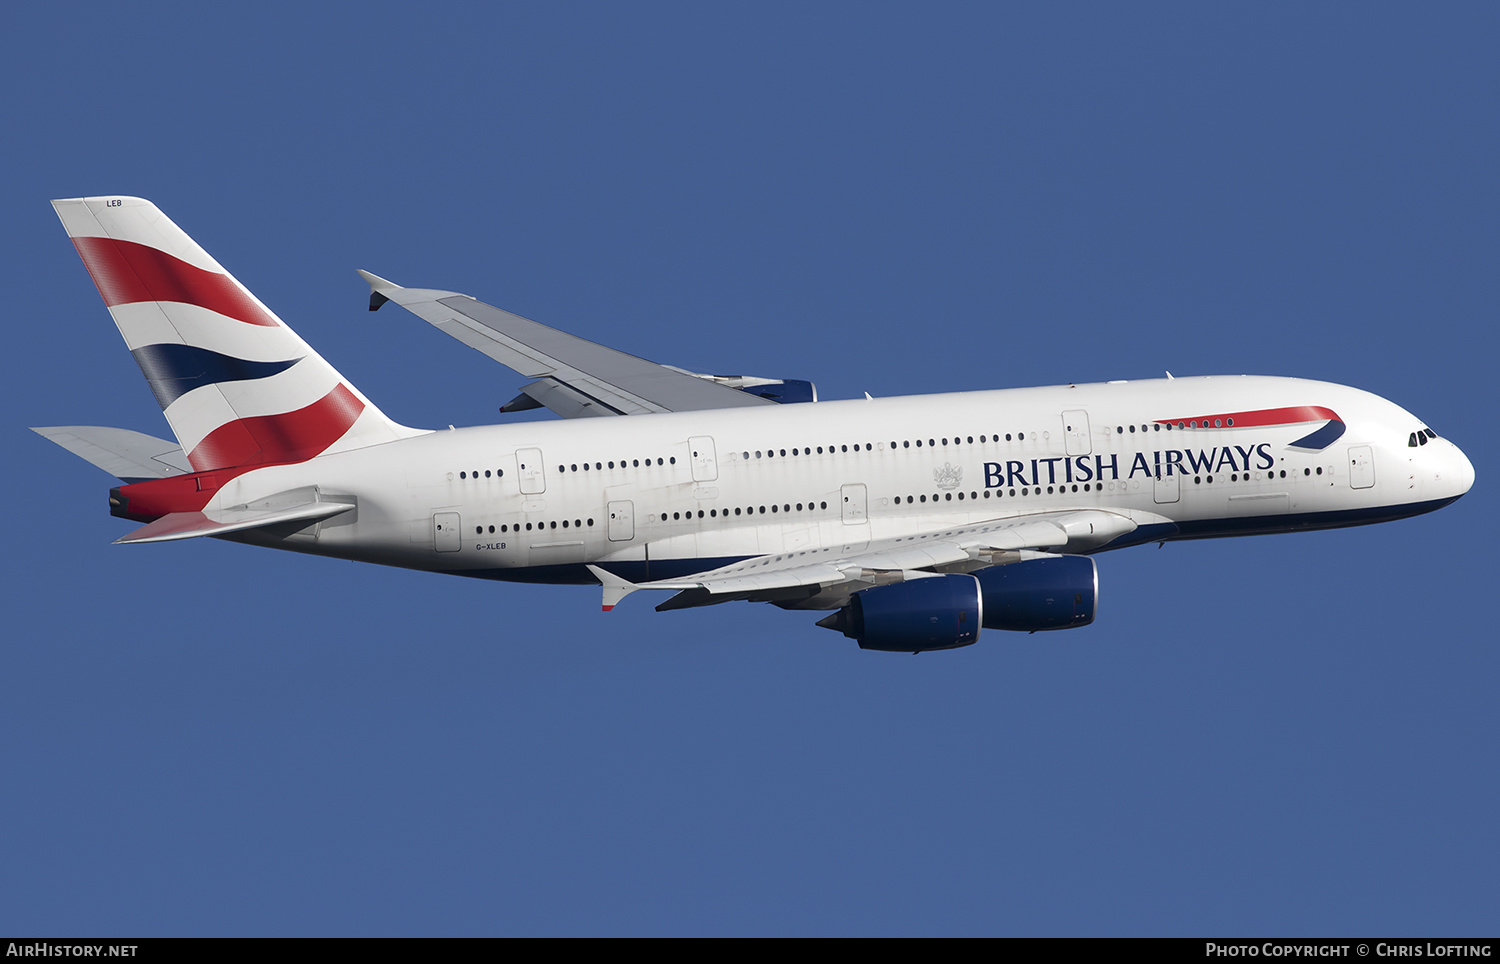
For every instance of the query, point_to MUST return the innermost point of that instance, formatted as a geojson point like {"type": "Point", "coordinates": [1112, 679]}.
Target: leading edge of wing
{"type": "Point", "coordinates": [574, 376]}
{"type": "Point", "coordinates": [1076, 530]}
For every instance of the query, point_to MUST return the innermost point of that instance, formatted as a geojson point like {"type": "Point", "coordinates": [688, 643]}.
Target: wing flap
{"type": "Point", "coordinates": [570, 401]}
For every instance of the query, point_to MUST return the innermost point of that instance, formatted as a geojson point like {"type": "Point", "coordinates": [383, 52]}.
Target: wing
{"type": "Point", "coordinates": [824, 578]}
{"type": "Point", "coordinates": [574, 377]}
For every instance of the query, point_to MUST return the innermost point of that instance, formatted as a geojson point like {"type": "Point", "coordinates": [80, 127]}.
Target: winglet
{"type": "Point", "coordinates": [378, 288]}
{"type": "Point", "coordinates": [615, 588]}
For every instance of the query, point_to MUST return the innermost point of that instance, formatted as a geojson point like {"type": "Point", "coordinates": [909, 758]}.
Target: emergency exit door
{"type": "Point", "coordinates": [529, 468]}
{"type": "Point", "coordinates": [1361, 467]}
{"type": "Point", "coordinates": [1076, 432]}
{"type": "Point", "coordinates": [853, 509]}
{"type": "Point", "coordinates": [705, 461]}
{"type": "Point", "coordinates": [446, 536]}
{"type": "Point", "coordinates": [621, 521]}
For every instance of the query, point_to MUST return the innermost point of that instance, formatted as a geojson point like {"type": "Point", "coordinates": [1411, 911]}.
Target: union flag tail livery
{"type": "Point", "coordinates": [238, 386]}
{"type": "Point", "coordinates": [912, 522]}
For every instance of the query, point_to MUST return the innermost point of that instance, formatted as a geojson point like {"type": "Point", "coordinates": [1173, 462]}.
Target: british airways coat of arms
{"type": "Point", "coordinates": [948, 477]}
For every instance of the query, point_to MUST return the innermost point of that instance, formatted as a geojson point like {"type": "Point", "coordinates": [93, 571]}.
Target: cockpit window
{"type": "Point", "coordinates": [1411, 441]}
{"type": "Point", "coordinates": [1420, 437]}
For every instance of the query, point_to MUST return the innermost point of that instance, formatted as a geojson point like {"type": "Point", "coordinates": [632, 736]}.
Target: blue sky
{"type": "Point", "coordinates": [1288, 735]}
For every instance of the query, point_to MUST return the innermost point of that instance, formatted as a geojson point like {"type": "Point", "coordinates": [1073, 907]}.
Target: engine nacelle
{"type": "Point", "coordinates": [940, 612]}
{"type": "Point", "coordinates": [787, 391]}
{"type": "Point", "coordinates": [1055, 593]}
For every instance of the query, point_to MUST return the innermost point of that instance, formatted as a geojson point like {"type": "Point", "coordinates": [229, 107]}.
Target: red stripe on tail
{"type": "Point", "coordinates": [271, 439]}
{"type": "Point", "coordinates": [126, 272]}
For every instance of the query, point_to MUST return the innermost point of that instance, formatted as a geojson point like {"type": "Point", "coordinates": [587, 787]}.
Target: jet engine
{"type": "Point", "coordinates": [1058, 592]}
{"type": "Point", "coordinates": [938, 612]}
{"type": "Point", "coordinates": [787, 391]}
{"type": "Point", "coordinates": [946, 612]}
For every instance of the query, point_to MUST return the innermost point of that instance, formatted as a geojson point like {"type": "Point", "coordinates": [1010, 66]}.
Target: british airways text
{"type": "Point", "coordinates": [1162, 462]}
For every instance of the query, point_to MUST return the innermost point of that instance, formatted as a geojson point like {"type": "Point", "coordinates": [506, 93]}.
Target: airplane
{"type": "Point", "coordinates": [912, 522]}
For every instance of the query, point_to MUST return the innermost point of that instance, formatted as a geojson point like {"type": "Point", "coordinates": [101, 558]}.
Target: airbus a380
{"type": "Point", "coordinates": [913, 522]}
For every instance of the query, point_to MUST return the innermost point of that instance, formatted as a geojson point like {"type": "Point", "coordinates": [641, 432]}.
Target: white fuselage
{"type": "Point", "coordinates": [658, 496]}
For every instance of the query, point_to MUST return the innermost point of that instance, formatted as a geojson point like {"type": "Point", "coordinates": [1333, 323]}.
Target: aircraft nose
{"type": "Point", "coordinates": [1461, 474]}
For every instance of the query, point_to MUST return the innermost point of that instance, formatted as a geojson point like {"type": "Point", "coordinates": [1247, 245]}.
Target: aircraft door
{"type": "Point", "coordinates": [705, 463]}
{"type": "Point", "coordinates": [529, 467]}
{"type": "Point", "coordinates": [1076, 431]}
{"type": "Point", "coordinates": [854, 505]}
{"type": "Point", "coordinates": [1361, 467]}
{"type": "Point", "coordinates": [446, 531]}
{"type": "Point", "coordinates": [621, 521]}
{"type": "Point", "coordinates": [1167, 488]}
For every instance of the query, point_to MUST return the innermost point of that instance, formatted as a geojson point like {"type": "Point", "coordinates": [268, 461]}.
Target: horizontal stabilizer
{"type": "Point", "coordinates": [128, 456]}
{"type": "Point", "coordinates": [217, 522]}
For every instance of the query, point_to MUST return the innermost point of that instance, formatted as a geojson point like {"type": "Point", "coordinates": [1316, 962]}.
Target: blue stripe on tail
{"type": "Point", "coordinates": [175, 370]}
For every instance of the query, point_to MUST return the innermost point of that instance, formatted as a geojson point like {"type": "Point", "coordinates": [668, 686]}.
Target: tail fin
{"type": "Point", "coordinates": [236, 384]}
